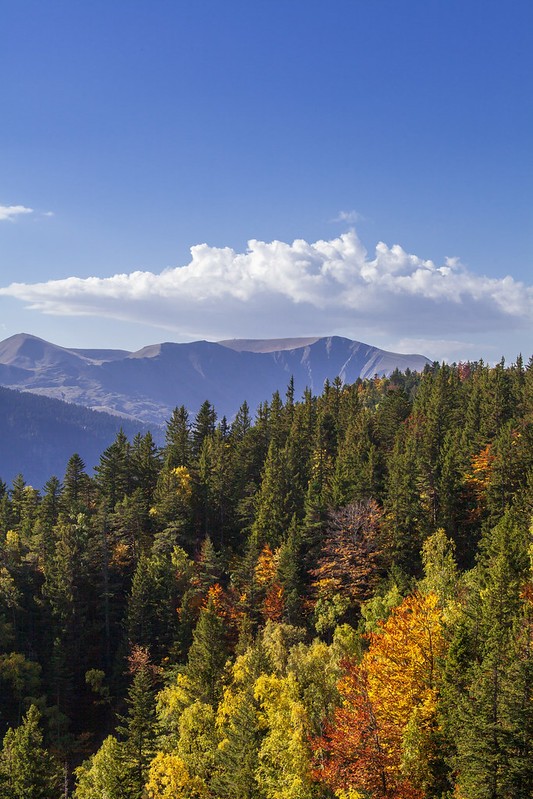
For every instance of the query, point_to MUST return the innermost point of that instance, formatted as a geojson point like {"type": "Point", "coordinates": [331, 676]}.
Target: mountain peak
{"type": "Point", "coordinates": [148, 384]}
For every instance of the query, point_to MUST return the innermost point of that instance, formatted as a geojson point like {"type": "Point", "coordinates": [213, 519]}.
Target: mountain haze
{"type": "Point", "coordinates": [38, 435]}
{"type": "Point", "coordinates": [146, 385]}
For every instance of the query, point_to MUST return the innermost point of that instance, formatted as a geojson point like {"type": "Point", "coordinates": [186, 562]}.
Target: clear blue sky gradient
{"type": "Point", "coordinates": [149, 127]}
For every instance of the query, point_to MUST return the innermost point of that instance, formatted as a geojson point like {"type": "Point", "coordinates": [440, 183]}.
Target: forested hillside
{"type": "Point", "coordinates": [39, 434]}
{"type": "Point", "coordinates": [331, 599]}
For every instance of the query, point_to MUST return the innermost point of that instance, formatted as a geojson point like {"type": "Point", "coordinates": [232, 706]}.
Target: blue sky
{"type": "Point", "coordinates": [352, 167]}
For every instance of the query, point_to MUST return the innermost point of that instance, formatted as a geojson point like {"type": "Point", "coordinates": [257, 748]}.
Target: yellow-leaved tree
{"type": "Point", "coordinates": [169, 778]}
{"type": "Point", "coordinates": [383, 737]}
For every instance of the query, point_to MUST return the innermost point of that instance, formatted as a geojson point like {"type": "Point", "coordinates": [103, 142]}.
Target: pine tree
{"type": "Point", "coordinates": [240, 729]}
{"type": "Point", "coordinates": [242, 422]}
{"type": "Point", "coordinates": [237, 756]}
{"type": "Point", "coordinates": [214, 495]}
{"type": "Point", "coordinates": [145, 464]}
{"type": "Point", "coordinates": [207, 656]}
{"type": "Point", "coordinates": [289, 573]}
{"type": "Point", "coordinates": [138, 726]}
{"type": "Point", "coordinates": [27, 770]}
{"type": "Point", "coordinates": [404, 516]}
{"type": "Point", "coordinates": [204, 426]}
{"type": "Point", "coordinates": [76, 486]}
{"type": "Point", "coordinates": [272, 518]}
{"type": "Point", "coordinates": [151, 618]}
{"type": "Point", "coordinates": [51, 503]}
{"type": "Point", "coordinates": [486, 718]}
{"type": "Point", "coordinates": [113, 475]}
{"type": "Point", "coordinates": [177, 451]}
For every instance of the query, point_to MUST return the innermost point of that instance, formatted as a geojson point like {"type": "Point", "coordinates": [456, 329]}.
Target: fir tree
{"type": "Point", "coordinates": [204, 426]}
{"type": "Point", "coordinates": [207, 656]}
{"type": "Point", "coordinates": [27, 770]}
{"type": "Point", "coordinates": [177, 450]}
{"type": "Point", "coordinates": [113, 475]}
{"type": "Point", "coordinates": [138, 726]}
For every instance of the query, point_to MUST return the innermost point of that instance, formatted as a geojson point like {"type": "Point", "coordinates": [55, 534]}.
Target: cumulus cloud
{"type": "Point", "coordinates": [282, 289]}
{"type": "Point", "coordinates": [10, 212]}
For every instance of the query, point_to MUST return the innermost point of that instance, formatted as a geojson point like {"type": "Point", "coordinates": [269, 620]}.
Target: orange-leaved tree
{"type": "Point", "coordinates": [382, 738]}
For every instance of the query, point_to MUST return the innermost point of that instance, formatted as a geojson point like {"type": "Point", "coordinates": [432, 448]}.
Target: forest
{"type": "Point", "coordinates": [332, 597]}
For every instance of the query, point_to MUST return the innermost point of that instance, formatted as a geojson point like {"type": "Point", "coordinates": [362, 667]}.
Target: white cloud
{"type": "Point", "coordinates": [348, 216]}
{"type": "Point", "coordinates": [281, 289]}
{"type": "Point", "coordinates": [448, 349]}
{"type": "Point", "coordinates": [10, 212]}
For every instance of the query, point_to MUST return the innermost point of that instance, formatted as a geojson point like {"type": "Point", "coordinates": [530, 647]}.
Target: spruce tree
{"type": "Point", "coordinates": [177, 451]}
{"type": "Point", "coordinates": [113, 474]}
{"type": "Point", "coordinates": [76, 486]}
{"type": "Point", "coordinates": [271, 518]}
{"type": "Point", "coordinates": [27, 770]}
{"type": "Point", "coordinates": [204, 425]}
{"type": "Point", "coordinates": [490, 704]}
{"type": "Point", "coordinates": [138, 726]}
{"type": "Point", "coordinates": [207, 656]}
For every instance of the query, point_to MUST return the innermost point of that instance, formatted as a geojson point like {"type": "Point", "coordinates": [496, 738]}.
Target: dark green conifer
{"type": "Point", "coordinates": [204, 426]}
{"type": "Point", "coordinates": [207, 656]}
{"type": "Point", "coordinates": [138, 726]}
{"type": "Point", "coordinates": [177, 450]}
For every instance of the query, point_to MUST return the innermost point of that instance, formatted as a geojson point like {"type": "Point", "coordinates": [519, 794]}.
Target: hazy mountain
{"type": "Point", "coordinates": [38, 435]}
{"type": "Point", "coordinates": [148, 384]}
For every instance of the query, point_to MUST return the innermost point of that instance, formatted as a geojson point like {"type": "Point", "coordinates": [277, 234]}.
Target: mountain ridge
{"type": "Point", "coordinates": [148, 383]}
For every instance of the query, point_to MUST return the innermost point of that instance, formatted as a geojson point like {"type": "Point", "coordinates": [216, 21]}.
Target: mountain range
{"type": "Point", "coordinates": [148, 384]}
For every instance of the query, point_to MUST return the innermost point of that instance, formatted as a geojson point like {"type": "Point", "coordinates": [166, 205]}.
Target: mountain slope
{"type": "Point", "coordinates": [148, 384]}
{"type": "Point", "coordinates": [38, 435]}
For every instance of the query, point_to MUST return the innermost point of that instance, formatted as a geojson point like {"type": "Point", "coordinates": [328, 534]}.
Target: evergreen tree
{"type": "Point", "coordinates": [289, 573]}
{"type": "Point", "coordinates": [151, 620]}
{"type": "Point", "coordinates": [271, 518]}
{"type": "Point", "coordinates": [76, 486]}
{"type": "Point", "coordinates": [27, 770]}
{"type": "Point", "coordinates": [138, 726]}
{"type": "Point", "coordinates": [113, 475]}
{"type": "Point", "coordinates": [237, 756]}
{"type": "Point", "coordinates": [214, 494]}
{"type": "Point", "coordinates": [486, 716]}
{"type": "Point", "coordinates": [242, 423]}
{"type": "Point", "coordinates": [404, 516]}
{"type": "Point", "coordinates": [178, 444]}
{"type": "Point", "coordinates": [145, 466]}
{"type": "Point", "coordinates": [207, 656]}
{"type": "Point", "coordinates": [204, 426]}
{"type": "Point", "coordinates": [240, 729]}
{"type": "Point", "coordinates": [51, 502]}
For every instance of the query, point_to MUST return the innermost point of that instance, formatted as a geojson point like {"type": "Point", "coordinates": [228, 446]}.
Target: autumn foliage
{"type": "Point", "coordinates": [350, 558]}
{"type": "Point", "coordinates": [393, 690]}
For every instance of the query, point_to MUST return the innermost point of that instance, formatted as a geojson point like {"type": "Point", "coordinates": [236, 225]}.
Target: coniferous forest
{"type": "Point", "coordinates": [329, 597]}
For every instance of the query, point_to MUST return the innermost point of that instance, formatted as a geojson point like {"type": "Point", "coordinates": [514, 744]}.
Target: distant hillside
{"type": "Point", "coordinates": [148, 384]}
{"type": "Point", "coordinates": [38, 435]}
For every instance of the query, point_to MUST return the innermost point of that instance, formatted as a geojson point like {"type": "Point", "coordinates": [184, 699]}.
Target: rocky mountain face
{"type": "Point", "coordinates": [147, 385]}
